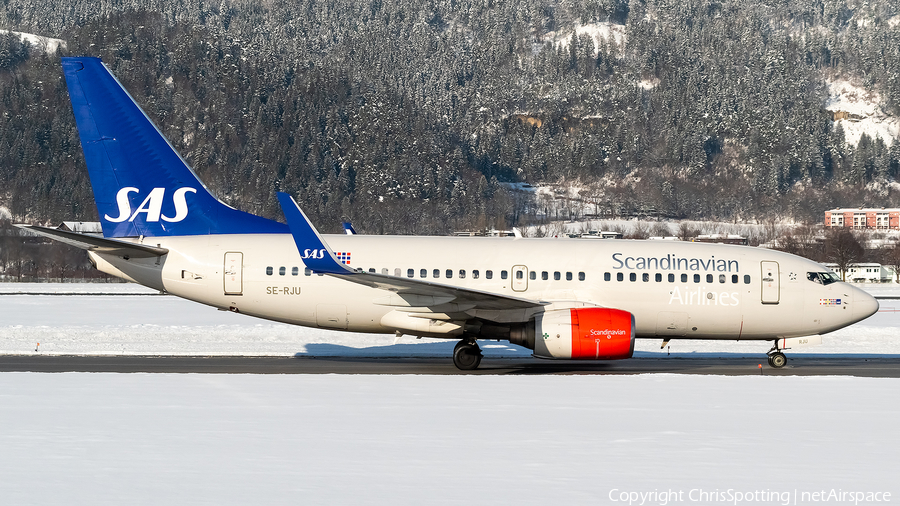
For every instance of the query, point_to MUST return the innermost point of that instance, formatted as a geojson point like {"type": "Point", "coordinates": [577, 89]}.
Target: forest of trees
{"type": "Point", "coordinates": [407, 116]}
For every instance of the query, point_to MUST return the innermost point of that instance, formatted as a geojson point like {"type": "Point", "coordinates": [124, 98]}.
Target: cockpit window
{"type": "Point", "coordinates": [823, 278]}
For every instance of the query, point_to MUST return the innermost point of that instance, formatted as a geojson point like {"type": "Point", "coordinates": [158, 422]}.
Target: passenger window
{"type": "Point", "coordinates": [448, 273]}
{"type": "Point", "coordinates": [532, 275]}
{"type": "Point", "coordinates": [269, 271]}
{"type": "Point", "coordinates": [436, 273]}
{"type": "Point", "coordinates": [423, 273]}
{"type": "Point", "coordinates": [746, 279]}
{"type": "Point", "coordinates": [503, 274]}
{"type": "Point", "coordinates": [282, 271]}
{"type": "Point", "coordinates": [684, 278]}
{"type": "Point", "coordinates": [462, 274]}
{"type": "Point", "coordinates": [671, 278]}
{"type": "Point", "coordinates": [520, 275]}
{"type": "Point", "coordinates": [696, 278]}
{"type": "Point", "coordinates": [620, 276]}
{"type": "Point", "coordinates": [658, 277]}
{"type": "Point", "coordinates": [580, 276]}
{"type": "Point", "coordinates": [307, 272]}
{"type": "Point", "coordinates": [410, 273]}
{"type": "Point", "coordinates": [632, 277]}
{"type": "Point", "coordinates": [709, 278]}
{"type": "Point", "coordinates": [645, 277]}
{"type": "Point", "coordinates": [606, 276]}
{"type": "Point", "coordinates": [721, 278]}
{"type": "Point", "coordinates": [488, 274]}
{"type": "Point", "coordinates": [556, 276]}
{"type": "Point", "coordinates": [372, 270]}
{"type": "Point", "coordinates": [295, 271]}
{"type": "Point", "coordinates": [568, 276]}
{"type": "Point", "coordinates": [397, 272]}
{"type": "Point", "coordinates": [384, 271]}
{"type": "Point", "coordinates": [545, 276]}
{"type": "Point", "coordinates": [475, 274]}
{"type": "Point", "coordinates": [734, 278]}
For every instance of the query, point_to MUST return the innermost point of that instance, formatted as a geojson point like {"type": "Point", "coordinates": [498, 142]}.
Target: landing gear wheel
{"type": "Point", "coordinates": [467, 355]}
{"type": "Point", "coordinates": [777, 360]}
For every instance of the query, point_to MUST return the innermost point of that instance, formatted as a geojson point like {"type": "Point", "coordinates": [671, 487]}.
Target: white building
{"type": "Point", "coordinates": [866, 273]}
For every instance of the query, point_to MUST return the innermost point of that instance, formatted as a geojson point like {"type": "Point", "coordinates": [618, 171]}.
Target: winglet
{"type": "Point", "coordinates": [313, 250]}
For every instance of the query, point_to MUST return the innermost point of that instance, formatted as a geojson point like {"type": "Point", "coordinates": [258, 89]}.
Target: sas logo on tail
{"type": "Point", "coordinates": [151, 206]}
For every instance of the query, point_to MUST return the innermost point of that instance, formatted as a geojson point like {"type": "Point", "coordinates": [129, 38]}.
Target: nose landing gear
{"type": "Point", "coordinates": [467, 355]}
{"type": "Point", "coordinates": [776, 357]}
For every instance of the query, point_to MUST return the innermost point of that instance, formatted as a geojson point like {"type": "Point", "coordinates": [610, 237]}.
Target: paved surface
{"type": "Point", "coordinates": [876, 367]}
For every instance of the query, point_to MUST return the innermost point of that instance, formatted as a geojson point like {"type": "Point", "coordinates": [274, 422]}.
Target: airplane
{"type": "Point", "coordinates": [561, 298]}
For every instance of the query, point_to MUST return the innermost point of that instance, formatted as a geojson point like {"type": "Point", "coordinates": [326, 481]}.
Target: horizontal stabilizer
{"type": "Point", "coordinates": [98, 244]}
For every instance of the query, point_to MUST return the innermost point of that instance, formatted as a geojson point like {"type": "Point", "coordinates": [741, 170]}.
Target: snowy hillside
{"type": "Point", "coordinates": [607, 32]}
{"type": "Point", "coordinates": [859, 111]}
{"type": "Point", "coordinates": [39, 42]}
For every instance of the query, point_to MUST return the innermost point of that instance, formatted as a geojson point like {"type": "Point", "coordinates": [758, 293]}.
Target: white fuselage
{"type": "Point", "coordinates": [673, 289]}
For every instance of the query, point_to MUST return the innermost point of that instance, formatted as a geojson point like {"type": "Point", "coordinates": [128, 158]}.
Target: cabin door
{"type": "Point", "coordinates": [234, 270]}
{"type": "Point", "coordinates": [771, 289]}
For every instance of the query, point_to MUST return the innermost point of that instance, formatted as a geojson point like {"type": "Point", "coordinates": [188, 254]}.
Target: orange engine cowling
{"type": "Point", "coordinates": [584, 333]}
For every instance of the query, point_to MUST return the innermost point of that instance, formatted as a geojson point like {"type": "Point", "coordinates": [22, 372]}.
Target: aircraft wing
{"type": "Point", "coordinates": [319, 258]}
{"type": "Point", "coordinates": [98, 244]}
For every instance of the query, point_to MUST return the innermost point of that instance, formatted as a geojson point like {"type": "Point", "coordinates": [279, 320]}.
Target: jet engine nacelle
{"type": "Point", "coordinates": [584, 333]}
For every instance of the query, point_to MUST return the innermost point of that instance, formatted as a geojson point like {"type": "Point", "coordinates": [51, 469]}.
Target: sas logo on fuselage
{"type": "Point", "coordinates": [151, 206]}
{"type": "Point", "coordinates": [318, 254]}
{"type": "Point", "coordinates": [315, 254]}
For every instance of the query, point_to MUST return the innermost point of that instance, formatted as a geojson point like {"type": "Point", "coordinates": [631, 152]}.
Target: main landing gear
{"type": "Point", "coordinates": [776, 358]}
{"type": "Point", "coordinates": [467, 355]}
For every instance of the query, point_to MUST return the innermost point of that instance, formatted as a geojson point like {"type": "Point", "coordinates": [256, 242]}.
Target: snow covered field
{"type": "Point", "coordinates": [167, 325]}
{"type": "Point", "coordinates": [82, 438]}
{"type": "Point", "coordinates": [99, 439]}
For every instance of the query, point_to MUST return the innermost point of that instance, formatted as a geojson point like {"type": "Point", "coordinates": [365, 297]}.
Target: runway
{"type": "Point", "coordinates": [886, 366]}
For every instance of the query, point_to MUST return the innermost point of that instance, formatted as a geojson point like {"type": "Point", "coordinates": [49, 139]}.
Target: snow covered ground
{"type": "Point", "coordinates": [134, 439]}
{"type": "Point", "coordinates": [146, 323]}
{"type": "Point", "coordinates": [98, 439]}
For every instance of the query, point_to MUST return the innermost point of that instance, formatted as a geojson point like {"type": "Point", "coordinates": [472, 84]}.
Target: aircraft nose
{"type": "Point", "coordinates": [864, 305]}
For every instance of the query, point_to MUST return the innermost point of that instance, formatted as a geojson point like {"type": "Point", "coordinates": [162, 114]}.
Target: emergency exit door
{"type": "Point", "coordinates": [771, 289]}
{"type": "Point", "coordinates": [519, 278]}
{"type": "Point", "coordinates": [234, 273]}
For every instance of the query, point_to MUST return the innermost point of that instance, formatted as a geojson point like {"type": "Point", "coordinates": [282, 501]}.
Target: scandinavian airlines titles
{"type": "Point", "coordinates": [672, 262]}
{"type": "Point", "coordinates": [700, 296]}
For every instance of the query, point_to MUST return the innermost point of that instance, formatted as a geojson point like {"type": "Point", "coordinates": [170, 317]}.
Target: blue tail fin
{"type": "Point", "coordinates": [142, 187]}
